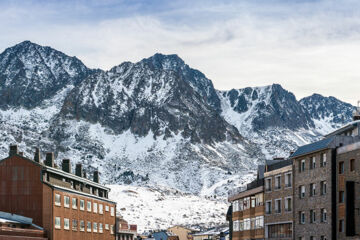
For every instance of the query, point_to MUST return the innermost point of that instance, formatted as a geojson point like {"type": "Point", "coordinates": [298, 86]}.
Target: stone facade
{"type": "Point", "coordinates": [310, 172]}
{"type": "Point", "coordinates": [348, 182]}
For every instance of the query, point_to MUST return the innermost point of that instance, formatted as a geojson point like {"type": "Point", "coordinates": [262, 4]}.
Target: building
{"type": "Point", "coordinates": [66, 205]}
{"type": "Point", "coordinates": [278, 200]}
{"type": "Point", "coordinates": [182, 232]}
{"type": "Point", "coordinates": [212, 234]}
{"type": "Point", "coordinates": [348, 191]}
{"type": "Point", "coordinates": [14, 226]}
{"type": "Point", "coordinates": [164, 235]}
{"type": "Point", "coordinates": [248, 211]}
{"type": "Point", "coordinates": [125, 231]}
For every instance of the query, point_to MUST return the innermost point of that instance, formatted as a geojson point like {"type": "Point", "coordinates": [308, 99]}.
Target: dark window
{"type": "Point", "coordinates": [341, 197]}
{"type": "Point", "coordinates": [352, 165]}
{"type": "Point", "coordinates": [341, 225]}
{"type": "Point", "coordinates": [277, 231]}
{"type": "Point", "coordinates": [341, 167]}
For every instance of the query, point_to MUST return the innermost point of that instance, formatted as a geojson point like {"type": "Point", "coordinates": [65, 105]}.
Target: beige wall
{"type": "Point", "coordinates": [181, 232]}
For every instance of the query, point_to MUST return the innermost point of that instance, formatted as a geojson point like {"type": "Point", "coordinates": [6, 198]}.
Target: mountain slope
{"type": "Point", "coordinates": [30, 73]}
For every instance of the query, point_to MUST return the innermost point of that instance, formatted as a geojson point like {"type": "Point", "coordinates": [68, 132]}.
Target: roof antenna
{"type": "Point", "coordinates": [356, 113]}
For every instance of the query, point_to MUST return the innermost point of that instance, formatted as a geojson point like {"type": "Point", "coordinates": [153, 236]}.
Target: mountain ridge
{"type": "Point", "coordinates": [156, 122]}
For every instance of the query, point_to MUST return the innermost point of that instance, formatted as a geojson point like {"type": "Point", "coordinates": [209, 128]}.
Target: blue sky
{"type": "Point", "coordinates": [307, 46]}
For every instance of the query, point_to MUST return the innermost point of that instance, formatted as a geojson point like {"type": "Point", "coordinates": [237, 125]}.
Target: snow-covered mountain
{"type": "Point", "coordinates": [156, 123]}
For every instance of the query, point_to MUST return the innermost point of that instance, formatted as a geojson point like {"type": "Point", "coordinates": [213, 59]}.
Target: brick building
{"type": "Point", "coordinates": [66, 205]}
{"type": "Point", "coordinates": [248, 211]}
{"type": "Point", "coordinates": [278, 200]}
{"type": "Point", "coordinates": [348, 191]}
{"type": "Point", "coordinates": [124, 230]}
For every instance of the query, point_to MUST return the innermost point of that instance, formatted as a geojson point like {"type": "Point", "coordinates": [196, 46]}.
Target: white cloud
{"type": "Point", "coordinates": [308, 47]}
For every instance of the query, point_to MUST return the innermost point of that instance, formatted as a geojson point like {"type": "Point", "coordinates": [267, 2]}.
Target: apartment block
{"type": "Point", "coordinates": [278, 195]}
{"type": "Point", "coordinates": [66, 205]}
{"type": "Point", "coordinates": [248, 211]}
{"type": "Point", "coordinates": [348, 191]}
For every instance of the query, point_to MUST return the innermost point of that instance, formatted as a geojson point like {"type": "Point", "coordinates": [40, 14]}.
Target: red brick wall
{"type": "Point", "coordinates": [21, 188]}
{"type": "Point", "coordinates": [70, 213]}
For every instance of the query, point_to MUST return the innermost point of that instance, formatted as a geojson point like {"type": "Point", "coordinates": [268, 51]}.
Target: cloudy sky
{"type": "Point", "coordinates": [306, 46]}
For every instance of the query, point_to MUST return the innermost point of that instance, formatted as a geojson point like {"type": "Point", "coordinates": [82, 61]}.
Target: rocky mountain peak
{"type": "Point", "coordinates": [30, 73]}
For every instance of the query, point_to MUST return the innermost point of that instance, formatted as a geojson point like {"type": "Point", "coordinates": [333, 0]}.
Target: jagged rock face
{"type": "Point", "coordinates": [270, 106]}
{"type": "Point", "coordinates": [30, 73]}
{"type": "Point", "coordinates": [320, 107]}
{"type": "Point", "coordinates": [152, 95]}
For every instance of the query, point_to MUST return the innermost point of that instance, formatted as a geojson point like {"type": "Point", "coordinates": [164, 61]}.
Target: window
{"type": "Point", "coordinates": [66, 201]}
{"type": "Point", "coordinates": [106, 226]}
{"type": "Point", "coordinates": [268, 207]}
{"type": "Point", "coordinates": [312, 238]}
{"type": "Point", "coordinates": [246, 203]}
{"type": "Point", "coordinates": [313, 163]}
{"type": "Point", "coordinates": [88, 227]}
{"type": "Point", "coordinates": [82, 204]}
{"type": "Point", "coordinates": [74, 203]}
{"type": "Point", "coordinates": [112, 211]}
{"type": "Point", "coordinates": [278, 205]}
{"type": "Point", "coordinates": [288, 204]}
{"type": "Point", "coordinates": [288, 180]}
{"type": "Point", "coordinates": [312, 216]}
{"type": "Point", "coordinates": [57, 200]}
{"type": "Point", "coordinates": [235, 206]}
{"type": "Point", "coordinates": [341, 167]}
{"type": "Point", "coordinates": [268, 184]}
{"type": "Point", "coordinates": [111, 229]}
{"type": "Point", "coordinates": [302, 165]}
{"type": "Point", "coordinates": [279, 231]}
{"type": "Point", "coordinates": [323, 187]}
{"type": "Point", "coordinates": [323, 160]}
{"type": "Point", "coordinates": [246, 224]}
{"type": "Point", "coordinates": [236, 226]}
{"type": "Point", "coordinates": [302, 191]}
{"type": "Point", "coordinates": [94, 227]}
{"type": "Point", "coordinates": [241, 227]}
{"type": "Point", "coordinates": [277, 182]}
{"type": "Point", "coordinates": [252, 223]}
{"type": "Point", "coordinates": [259, 199]}
{"type": "Point", "coordinates": [66, 224]}
{"type": "Point", "coordinates": [352, 165]}
{"type": "Point", "coordinates": [312, 189]}
{"type": "Point", "coordinates": [341, 225]}
{"type": "Point", "coordinates": [241, 205]}
{"type": "Point", "coordinates": [106, 208]}
{"type": "Point", "coordinates": [301, 217]}
{"type": "Point", "coordinates": [74, 225]}
{"type": "Point", "coordinates": [95, 207]}
{"type": "Point", "coordinates": [341, 197]}
{"type": "Point", "coordinates": [323, 238]}
{"type": "Point", "coordinates": [253, 201]}
{"type": "Point", "coordinates": [259, 222]}
{"type": "Point", "coordinates": [82, 226]}
{"type": "Point", "coordinates": [323, 215]}
{"type": "Point", "coordinates": [57, 223]}
{"type": "Point", "coordinates": [101, 210]}
{"type": "Point", "coordinates": [88, 206]}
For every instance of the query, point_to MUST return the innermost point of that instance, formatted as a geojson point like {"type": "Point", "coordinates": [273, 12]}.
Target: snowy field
{"type": "Point", "coordinates": [162, 208]}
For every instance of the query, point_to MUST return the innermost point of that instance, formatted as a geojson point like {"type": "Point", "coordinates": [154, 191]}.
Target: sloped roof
{"type": "Point", "coordinates": [313, 147]}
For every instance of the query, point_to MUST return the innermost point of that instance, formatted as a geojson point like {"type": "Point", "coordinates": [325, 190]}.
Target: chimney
{"type": "Point", "coordinates": [356, 113]}
{"type": "Point", "coordinates": [96, 176]}
{"type": "Point", "coordinates": [66, 166]}
{"type": "Point", "coordinates": [84, 174]}
{"type": "Point", "coordinates": [13, 150]}
{"type": "Point", "coordinates": [49, 160]}
{"type": "Point", "coordinates": [79, 170]}
{"type": "Point", "coordinates": [37, 155]}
